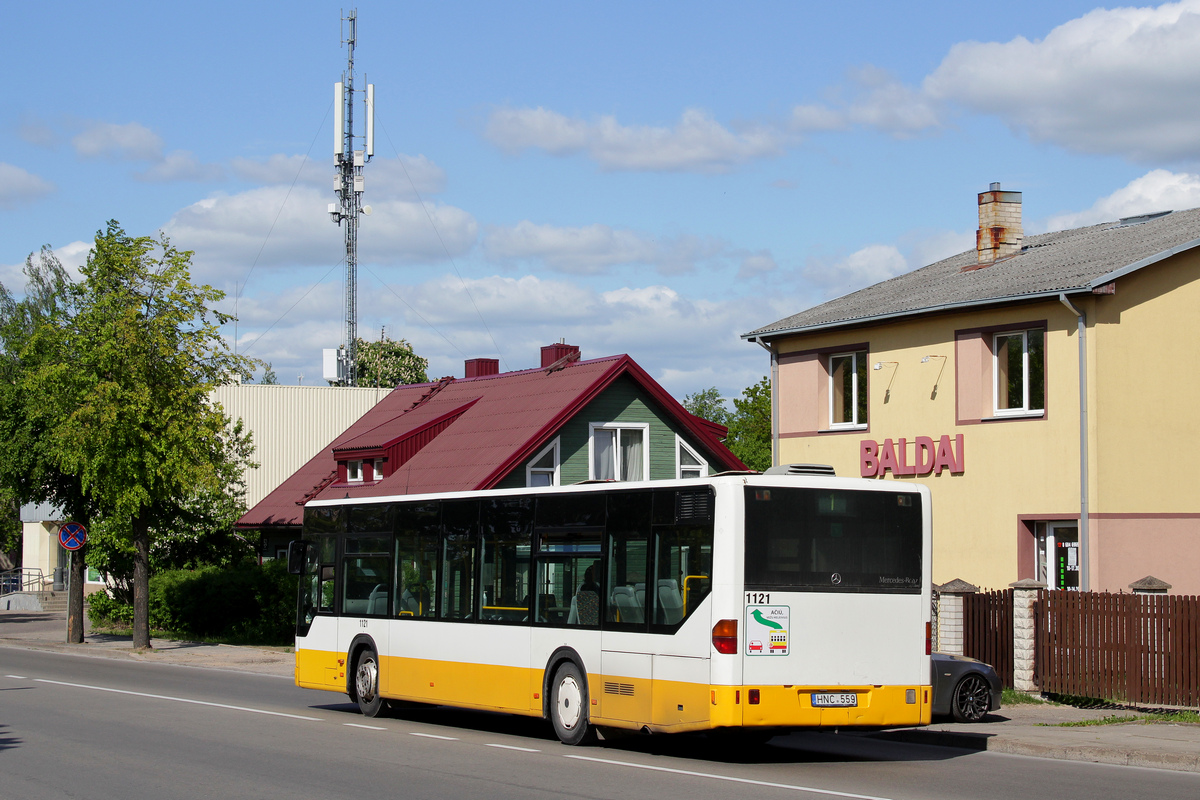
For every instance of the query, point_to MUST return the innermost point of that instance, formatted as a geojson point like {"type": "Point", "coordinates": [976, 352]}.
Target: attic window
{"type": "Point", "coordinates": [543, 468]}
{"type": "Point", "coordinates": [354, 471]}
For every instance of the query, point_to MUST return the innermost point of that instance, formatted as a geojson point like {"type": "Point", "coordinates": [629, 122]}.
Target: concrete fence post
{"type": "Point", "coordinates": [1024, 633]}
{"type": "Point", "coordinates": [950, 615]}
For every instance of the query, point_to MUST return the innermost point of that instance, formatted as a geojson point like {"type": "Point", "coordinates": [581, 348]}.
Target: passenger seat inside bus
{"type": "Point", "coordinates": [625, 601]}
{"type": "Point", "coordinates": [670, 602]}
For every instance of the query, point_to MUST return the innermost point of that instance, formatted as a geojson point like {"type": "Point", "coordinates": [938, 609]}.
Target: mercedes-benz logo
{"type": "Point", "coordinates": [836, 578]}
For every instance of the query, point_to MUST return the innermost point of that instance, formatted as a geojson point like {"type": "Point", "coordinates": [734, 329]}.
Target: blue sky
{"type": "Point", "coordinates": [652, 179]}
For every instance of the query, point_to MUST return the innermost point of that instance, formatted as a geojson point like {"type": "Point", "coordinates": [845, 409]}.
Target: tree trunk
{"type": "Point", "coordinates": [141, 583]}
{"type": "Point", "coordinates": [75, 598]}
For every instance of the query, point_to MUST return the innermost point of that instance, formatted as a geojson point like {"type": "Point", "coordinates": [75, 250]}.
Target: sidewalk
{"type": "Point", "coordinates": [40, 630]}
{"type": "Point", "coordinates": [1028, 730]}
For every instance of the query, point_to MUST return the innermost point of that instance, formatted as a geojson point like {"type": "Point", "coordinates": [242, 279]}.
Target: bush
{"type": "Point", "coordinates": [245, 603]}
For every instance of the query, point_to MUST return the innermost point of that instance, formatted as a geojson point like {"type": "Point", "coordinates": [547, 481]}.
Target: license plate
{"type": "Point", "coordinates": [834, 699]}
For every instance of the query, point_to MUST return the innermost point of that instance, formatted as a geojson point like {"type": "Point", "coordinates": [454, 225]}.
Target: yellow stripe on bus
{"type": "Point", "coordinates": [620, 701]}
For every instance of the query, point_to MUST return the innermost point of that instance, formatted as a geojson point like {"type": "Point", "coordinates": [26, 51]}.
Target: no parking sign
{"type": "Point", "coordinates": [72, 536]}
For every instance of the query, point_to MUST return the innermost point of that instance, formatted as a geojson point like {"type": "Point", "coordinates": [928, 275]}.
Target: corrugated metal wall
{"type": "Point", "coordinates": [290, 425]}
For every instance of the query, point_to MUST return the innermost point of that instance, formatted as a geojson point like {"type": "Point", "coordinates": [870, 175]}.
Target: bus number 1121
{"type": "Point", "coordinates": [758, 598]}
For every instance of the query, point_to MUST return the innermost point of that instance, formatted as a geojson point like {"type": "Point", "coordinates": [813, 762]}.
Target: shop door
{"type": "Point", "coordinates": [1058, 555]}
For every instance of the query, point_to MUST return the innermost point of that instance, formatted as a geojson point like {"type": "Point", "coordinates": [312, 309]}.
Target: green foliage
{"type": "Point", "coordinates": [104, 390]}
{"type": "Point", "coordinates": [749, 423]}
{"type": "Point", "coordinates": [708, 404]}
{"type": "Point", "coordinates": [389, 362]}
{"type": "Point", "coordinates": [750, 426]}
{"type": "Point", "coordinates": [268, 377]}
{"type": "Point", "coordinates": [244, 603]}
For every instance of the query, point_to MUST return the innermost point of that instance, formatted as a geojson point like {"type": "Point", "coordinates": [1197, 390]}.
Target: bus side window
{"type": "Point", "coordinates": [684, 571]}
{"type": "Point", "coordinates": [507, 527]}
{"type": "Point", "coordinates": [417, 537]}
{"type": "Point", "coordinates": [328, 575]}
{"type": "Point", "coordinates": [628, 533]}
{"type": "Point", "coordinates": [460, 530]}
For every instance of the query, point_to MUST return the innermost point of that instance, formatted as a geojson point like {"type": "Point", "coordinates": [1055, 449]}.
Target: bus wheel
{"type": "Point", "coordinates": [569, 706]}
{"type": "Point", "coordinates": [366, 683]}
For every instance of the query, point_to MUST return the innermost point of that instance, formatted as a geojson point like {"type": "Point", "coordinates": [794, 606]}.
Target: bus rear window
{"type": "Point", "coordinates": [833, 540]}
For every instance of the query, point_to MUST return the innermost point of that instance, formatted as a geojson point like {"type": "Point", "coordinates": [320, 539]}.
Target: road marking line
{"type": "Point", "coordinates": [514, 747]}
{"type": "Point", "coordinates": [179, 700]}
{"type": "Point", "coordinates": [18, 677]}
{"type": "Point", "coordinates": [368, 727]}
{"type": "Point", "coordinates": [730, 778]}
{"type": "Point", "coordinates": [434, 736]}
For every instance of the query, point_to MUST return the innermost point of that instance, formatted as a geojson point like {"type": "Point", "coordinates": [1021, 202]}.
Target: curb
{"type": "Point", "coordinates": [1000, 743]}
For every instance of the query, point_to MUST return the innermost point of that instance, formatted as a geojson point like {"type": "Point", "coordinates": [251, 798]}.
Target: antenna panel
{"type": "Point", "coordinates": [370, 120]}
{"type": "Point", "coordinates": [339, 118]}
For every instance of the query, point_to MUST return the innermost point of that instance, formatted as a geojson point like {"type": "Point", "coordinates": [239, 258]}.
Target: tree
{"type": "Point", "coordinates": [749, 424]}
{"type": "Point", "coordinates": [125, 407]}
{"type": "Point", "coordinates": [709, 405]}
{"type": "Point", "coordinates": [268, 377]}
{"type": "Point", "coordinates": [29, 470]}
{"type": "Point", "coordinates": [389, 362]}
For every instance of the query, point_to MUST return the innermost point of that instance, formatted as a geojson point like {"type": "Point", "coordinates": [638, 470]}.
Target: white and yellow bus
{"type": "Point", "coordinates": [761, 602]}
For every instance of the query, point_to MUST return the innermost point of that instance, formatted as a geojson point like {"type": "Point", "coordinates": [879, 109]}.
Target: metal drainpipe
{"type": "Point", "coordinates": [1085, 567]}
{"type": "Point", "coordinates": [774, 403]}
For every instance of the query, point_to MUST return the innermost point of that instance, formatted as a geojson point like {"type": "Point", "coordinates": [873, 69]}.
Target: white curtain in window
{"type": "Point", "coordinates": [631, 455]}
{"type": "Point", "coordinates": [603, 455]}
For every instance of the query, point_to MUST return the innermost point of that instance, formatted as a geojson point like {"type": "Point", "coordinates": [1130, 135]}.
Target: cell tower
{"type": "Point", "coordinates": [342, 364]}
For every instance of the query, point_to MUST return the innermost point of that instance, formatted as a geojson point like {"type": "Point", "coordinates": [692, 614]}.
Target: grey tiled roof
{"type": "Point", "coordinates": [1064, 261]}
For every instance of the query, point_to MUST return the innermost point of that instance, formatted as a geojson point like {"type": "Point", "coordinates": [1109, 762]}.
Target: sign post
{"type": "Point", "coordinates": [73, 536]}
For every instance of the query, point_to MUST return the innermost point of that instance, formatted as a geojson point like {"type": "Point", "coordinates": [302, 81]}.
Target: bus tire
{"type": "Point", "coordinates": [569, 706]}
{"type": "Point", "coordinates": [366, 683]}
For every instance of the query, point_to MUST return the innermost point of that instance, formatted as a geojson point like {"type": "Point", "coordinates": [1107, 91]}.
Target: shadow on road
{"type": "Point", "coordinates": [799, 747]}
{"type": "Point", "coordinates": [8, 742]}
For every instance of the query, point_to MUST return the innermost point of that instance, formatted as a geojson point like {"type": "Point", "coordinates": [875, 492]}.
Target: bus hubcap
{"type": "Point", "coordinates": [365, 680]}
{"type": "Point", "coordinates": [570, 703]}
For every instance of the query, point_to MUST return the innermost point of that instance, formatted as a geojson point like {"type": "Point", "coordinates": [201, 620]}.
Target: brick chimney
{"type": "Point", "coordinates": [1000, 233]}
{"type": "Point", "coordinates": [479, 367]}
{"type": "Point", "coordinates": [553, 352]}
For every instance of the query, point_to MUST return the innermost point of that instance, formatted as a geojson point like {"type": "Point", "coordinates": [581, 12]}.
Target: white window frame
{"type": "Point", "coordinates": [856, 424]}
{"type": "Point", "coordinates": [644, 427]}
{"type": "Point", "coordinates": [679, 442]}
{"type": "Point", "coordinates": [377, 469]}
{"type": "Point", "coordinates": [555, 474]}
{"type": "Point", "coordinates": [1024, 410]}
{"type": "Point", "coordinates": [354, 470]}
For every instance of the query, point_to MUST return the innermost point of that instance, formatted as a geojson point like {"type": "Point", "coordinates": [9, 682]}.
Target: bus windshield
{"type": "Point", "coordinates": [832, 540]}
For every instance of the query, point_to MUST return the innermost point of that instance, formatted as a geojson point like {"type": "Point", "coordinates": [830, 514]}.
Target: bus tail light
{"type": "Point", "coordinates": [928, 638]}
{"type": "Point", "coordinates": [724, 636]}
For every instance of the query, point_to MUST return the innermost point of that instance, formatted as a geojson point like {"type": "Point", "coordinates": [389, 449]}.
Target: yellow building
{"type": "Point", "coordinates": [1040, 386]}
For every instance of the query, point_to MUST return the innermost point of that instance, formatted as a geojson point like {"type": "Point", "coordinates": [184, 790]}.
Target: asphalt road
{"type": "Point", "coordinates": [97, 728]}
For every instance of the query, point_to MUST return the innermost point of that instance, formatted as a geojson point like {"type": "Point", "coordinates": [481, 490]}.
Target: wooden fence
{"type": "Point", "coordinates": [988, 630]}
{"type": "Point", "coordinates": [1134, 648]}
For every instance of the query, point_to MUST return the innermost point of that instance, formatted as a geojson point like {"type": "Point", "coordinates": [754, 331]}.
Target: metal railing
{"type": "Point", "coordinates": [22, 579]}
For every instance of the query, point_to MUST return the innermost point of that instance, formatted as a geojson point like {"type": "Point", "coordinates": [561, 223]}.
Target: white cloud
{"type": "Point", "coordinates": [72, 256]}
{"type": "Point", "coordinates": [879, 101]}
{"type": "Point", "coordinates": [292, 228]}
{"type": "Point", "coordinates": [128, 142]}
{"type": "Point", "coordinates": [879, 262]}
{"type": "Point", "coordinates": [696, 143]}
{"type": "Point", "coordinates": [385, 178]}
{"type": "Point", "coordinates": [685, 343]}
{"type": "Point", "coordinates": [180, 165]}
{"type": "Point", "coordinates": [1121, 81]}
{"type": "Point", "coordinates": [1157, 190]}
{"type": "Point", "coordinates": [18, 187]}
{"type": "Point", "coordinates": [596, 249]}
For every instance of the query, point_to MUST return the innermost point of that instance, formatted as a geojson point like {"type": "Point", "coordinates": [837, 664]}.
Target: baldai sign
{"type": "Point", "coordinates": [927, 458]}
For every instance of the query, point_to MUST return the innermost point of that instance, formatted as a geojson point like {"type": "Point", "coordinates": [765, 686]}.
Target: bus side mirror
{"type": "Point", "coordinates": [297, 551]}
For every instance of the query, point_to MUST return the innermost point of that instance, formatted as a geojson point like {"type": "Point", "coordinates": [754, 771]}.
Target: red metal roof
{"type": "Point", "coordinates": [468, 433]}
